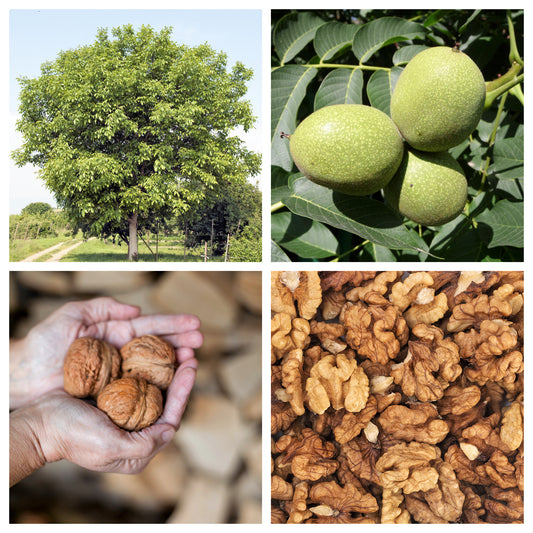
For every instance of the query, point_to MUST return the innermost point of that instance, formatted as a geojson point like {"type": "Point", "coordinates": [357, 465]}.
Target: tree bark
{"type": "Point", "coordinates": [133, 241]}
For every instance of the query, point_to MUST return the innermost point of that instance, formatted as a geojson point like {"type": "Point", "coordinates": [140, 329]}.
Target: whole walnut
{"type": "Point", "coordinates": [151, 358]}
{"type": "Point", "coordinates": [131, 403]}
{"type": "Point", "coordinates": [90, 364]}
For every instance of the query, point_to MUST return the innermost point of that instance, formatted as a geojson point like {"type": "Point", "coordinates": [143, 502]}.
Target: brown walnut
{"type": "Point", "coordinates": [90, 364]}
{"type": "Point", "coordinates": [405, 389]}
{"type": "Point", "coordinates": [131, 403]}
{"type": "Point", "coordinates": [150, 358]}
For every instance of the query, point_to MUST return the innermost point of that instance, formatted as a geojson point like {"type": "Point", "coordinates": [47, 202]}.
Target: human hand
{"type": "Point", "coordinates": [59, 426]}
{"type": "Point", "coordinates": [36, 362]}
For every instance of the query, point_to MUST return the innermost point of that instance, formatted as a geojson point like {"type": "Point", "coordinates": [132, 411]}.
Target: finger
{"type": "Point", "coordinates": [178, 393]}
{"type": "Point", "coordinates": [137, 448]}
{"type": "Point", "coordinates": [164, 325]}
{"type": "Point", "coordinates": [102, 309]}
{"type": "Point", "coordinates": [191, 339]}
{"type": "Point", "coordinates": [184, 354]}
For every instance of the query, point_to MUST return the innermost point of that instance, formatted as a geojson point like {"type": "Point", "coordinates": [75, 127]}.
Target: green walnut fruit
{"type": "Point", "coordinates": [438, 99]}
{"type": "Point", "coordinates": [429, 188]}
{"type": "Point", "coordinates": [351, 148]}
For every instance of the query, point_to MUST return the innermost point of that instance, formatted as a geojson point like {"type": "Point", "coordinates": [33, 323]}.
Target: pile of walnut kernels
{"type": "Point", "coordinates": [397, 397]}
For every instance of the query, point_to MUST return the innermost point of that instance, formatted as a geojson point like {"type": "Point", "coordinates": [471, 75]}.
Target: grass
{"type": "Point", "coordinates": [97, 250]}
{"type": "Point", "coordinates": [20, 249]}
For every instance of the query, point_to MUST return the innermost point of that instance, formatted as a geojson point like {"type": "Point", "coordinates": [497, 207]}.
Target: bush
{"type": "Point", "coordinates": [330, 57]}
{"type": "Point", "coordinates": [247, 247]}
{"type": "Point", "coordinates": [31, 227]}
{"type": "Point", "coordinates": [36, 208]}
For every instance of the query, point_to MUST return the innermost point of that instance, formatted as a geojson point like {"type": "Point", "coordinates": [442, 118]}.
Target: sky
{"type": "Point", "coordinates": [38, 35]}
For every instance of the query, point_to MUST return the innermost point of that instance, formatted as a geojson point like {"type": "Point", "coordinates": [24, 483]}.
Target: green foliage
{"type": "Point", "coordinates": [234, 208]}
{"type": "Point", "coordinates": [135, 124]}
{"type": "Point", "coordinates": [247, 246]}
{"type": "Point", "coordinates": [350, 56]}
{"type": "Point", "coordinates": [32, 224]}
{"type": "Point", "coordinates": [36, 208]}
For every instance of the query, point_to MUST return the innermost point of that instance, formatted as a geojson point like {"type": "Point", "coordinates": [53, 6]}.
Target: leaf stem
{"type": "Point", "coordinates": [514, 56]}
{"type": "Point", "coordinates": [491, 141]}
{"type": "Point", "coordinates": [335, 65]}
{"type": "Point", "coordinates": [502, 89]}
{"type": "Point", "coordinates": [355, 248]}
{"type": "Point", "coordinates": [275, 207]}
{"type": "Point", "coordinates": [517, 92]}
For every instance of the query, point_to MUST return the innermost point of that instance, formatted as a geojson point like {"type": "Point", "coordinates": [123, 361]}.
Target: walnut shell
{"type": "Point", "coordinates": [90, 364]}
{"type": "Point", "coordinates": [131, 403]}
{"type": "Point", "coordinates": [151, 358]}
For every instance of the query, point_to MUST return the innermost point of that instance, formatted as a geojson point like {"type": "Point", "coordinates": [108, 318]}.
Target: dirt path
{"type": "Point", "coordinates": [33, 257]}
{"type": "Point", "coordinates": [57, 256]}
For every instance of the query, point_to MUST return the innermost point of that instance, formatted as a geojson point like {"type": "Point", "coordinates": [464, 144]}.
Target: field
{"type": "Point", "coordinates": [170, 249]}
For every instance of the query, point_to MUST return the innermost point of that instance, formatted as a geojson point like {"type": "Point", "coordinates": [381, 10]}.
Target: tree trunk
{"type": "Point", "coordinates": [157, 243]}
{"type": "Point", "coordinates": [133, 241]}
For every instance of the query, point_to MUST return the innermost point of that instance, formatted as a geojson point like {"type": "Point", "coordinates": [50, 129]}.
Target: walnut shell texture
{"type": "Point", "coordinates": [131, 403]}
{"type": "Point", "coordinates": [151, 358]}
{"type": "Point", "coordinates": [90, 364]}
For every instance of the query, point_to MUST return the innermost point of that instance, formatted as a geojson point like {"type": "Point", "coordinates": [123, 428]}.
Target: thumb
{"type": "Point", "coordinates": [151, 440]}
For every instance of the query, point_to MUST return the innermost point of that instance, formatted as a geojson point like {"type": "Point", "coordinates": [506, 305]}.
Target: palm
{"type": "Point", "coordinates": [40, 367]}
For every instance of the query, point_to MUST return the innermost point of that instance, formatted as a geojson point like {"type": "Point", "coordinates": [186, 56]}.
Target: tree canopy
{"type": "Point", "coordinates": [36, 208]}
{"type": "Point", "coordinates": [135, 127]}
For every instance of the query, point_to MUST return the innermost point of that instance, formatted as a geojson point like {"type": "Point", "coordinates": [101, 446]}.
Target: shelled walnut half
{"type": "Point", "coordinates": [397, 397]}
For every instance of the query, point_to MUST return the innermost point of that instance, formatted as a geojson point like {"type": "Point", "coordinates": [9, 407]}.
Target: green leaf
{"type": "Point", "coordinates": [470, 19]}
{"type": "Point", "coordinates": [332, 37]}
{"type": "Point", "coordinates": [503, 225]}
{"type": "Point", "coordinates": [303, 237]}
{"type": "Point", "coordinates": [508, 158]}
{"type": "Point", "coordinates": [277, 254]}
{"type": "Point", "coordinates": [293, 32]}
{"type": "Point", "coordinates": [380, 86]}
{"type": "Point", "coordinates": [288, 90]}
{"type": "Point", "coordinates": [435, 16]}
{"type": "Point", "coordinates": [511, 189]}
{"type": "Point", "coordinates": [404, 54]}
{"type": "Point", "coordinates": [379, 253]}
{"type": "Point", "coordinates": [340, 86]}
{"type": "Point", "coordinates": [382, 32]}
{"type": "Point", "coordinates": [445, 239]}
{"type": "Point", "coordinates": [363, 216]}
{"type": "Point", "coordinates": [279, 180]}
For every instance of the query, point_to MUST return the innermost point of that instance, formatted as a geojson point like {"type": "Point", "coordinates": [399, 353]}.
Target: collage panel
{"type": "Point", "coordinates": [397, 397]}
{"type": "Point", "coordinates": [135, 135]}
{"type": "Point", "coordinates": [102, 368]}
{"type": "Point", "coordinates": [397, 135]}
